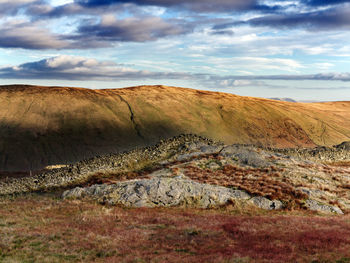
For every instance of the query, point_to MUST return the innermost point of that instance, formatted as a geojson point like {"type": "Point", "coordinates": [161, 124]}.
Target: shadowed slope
{"type": "Point", "coordinates": [48, 125]}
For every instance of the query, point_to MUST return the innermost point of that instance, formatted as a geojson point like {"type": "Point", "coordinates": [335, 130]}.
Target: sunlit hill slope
{"type": "Point", "coordinates": [48, 125]}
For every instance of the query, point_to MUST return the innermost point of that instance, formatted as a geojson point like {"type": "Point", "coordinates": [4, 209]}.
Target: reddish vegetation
{"type": "Point", "coordinates": [310, 235]}
{"type": "Point", "coordinates": [47, 230]}
{"type": "Point", "coordinates": [341, 164]}
{"type": "Point", "coordinates": [257, 181]}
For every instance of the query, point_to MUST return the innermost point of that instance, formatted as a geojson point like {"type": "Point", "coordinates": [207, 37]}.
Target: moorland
{"type": "Point", "coordinates": [166, 174]}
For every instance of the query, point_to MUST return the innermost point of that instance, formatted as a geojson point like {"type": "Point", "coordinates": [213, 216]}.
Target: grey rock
{"type": "Point", "coordinates": [78, 192]}
{"type": "Point", "coordinates": [316, 206]}
{"type": "Point", "coordinates": [266, 204]}
{"type": "Point", "coordinates": [186, 156]}
{"type": "Point", "coordinates": [238, 194]}
{"type": "Point", "coordinates": [160, 191]}
{"type": "Point", "coordinates": [245, 156]}
{"type": "Point", "coordinates": [229, 150]}
{"type": "Point", "coordinates": [208, 149]}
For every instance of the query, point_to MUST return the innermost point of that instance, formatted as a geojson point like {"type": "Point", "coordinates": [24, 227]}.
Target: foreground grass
{"type": "Point", "coordinates": [46, 229]}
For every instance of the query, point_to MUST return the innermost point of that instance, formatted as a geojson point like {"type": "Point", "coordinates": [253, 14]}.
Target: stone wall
{"type": "Point", "coordinates": [327, 154]}
{"type": "Point", "coordinates": [81, 171]}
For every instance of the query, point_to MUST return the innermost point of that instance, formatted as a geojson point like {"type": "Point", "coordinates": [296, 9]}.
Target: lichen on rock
{"type": "Point", "coordinates": [160, 191]}
{"type": "Point", "coordinates": [317, 206]}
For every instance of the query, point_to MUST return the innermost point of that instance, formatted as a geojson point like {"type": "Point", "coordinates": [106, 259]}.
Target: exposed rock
{"type": "Point", "coordinates": [329, 154]}
{"type": "Point", "coordinates": [344, 145]}
{"type": "Point", "coordinates": [266, 204]}
{"type": "Point", "coordinates": [187, 156]}
{"type": "Point", "coordinates": [316, 206]}
{"type": "Point", "coordinates": [245, 156]}
{"type": "Point", "coordinates": [199, 149]}
{"type": "Point", "coordinates": [208, 149]}
{"type": "Point", "coordinates": [215, 170]}
{"type": "Point", "coordinates": [160, 191]}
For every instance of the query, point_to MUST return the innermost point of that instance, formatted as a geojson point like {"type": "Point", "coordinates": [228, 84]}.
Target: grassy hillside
{"type": "Point", "coordinates": [49, 125]}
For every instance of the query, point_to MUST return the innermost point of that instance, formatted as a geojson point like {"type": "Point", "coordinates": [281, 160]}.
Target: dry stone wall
{"type": "Point", "coordinates": [81, 171]}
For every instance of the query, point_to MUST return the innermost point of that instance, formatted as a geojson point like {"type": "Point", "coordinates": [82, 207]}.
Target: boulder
{"type": "Point", "coordinates": [245, 156]}
{"type": "Point", "coordinates": [168, 192]}
{"type": "Point", "coordinates": [160, 191]}
{"type": "Point", "coordinates": [316, 206]}
{"type": "Point", "coordinates": [266, 204]}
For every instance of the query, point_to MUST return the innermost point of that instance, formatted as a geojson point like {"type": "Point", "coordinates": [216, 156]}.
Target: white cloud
{"type": "Point", "coordinates": [324, 66]}
{"type": "Point", "coordinates": [25, 34]}
{"type": "Point", "coordinates": [17, 2]}
{"type": "Point", "coordinates": [80, 68]}
{"type": "Point", "coordinates": [60, 2]}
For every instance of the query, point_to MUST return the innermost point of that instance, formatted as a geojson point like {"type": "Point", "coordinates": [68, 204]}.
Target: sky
{"type": "Point", "coordinates": [295, 49]}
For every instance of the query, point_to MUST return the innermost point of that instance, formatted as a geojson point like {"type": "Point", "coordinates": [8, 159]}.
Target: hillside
{"type": "Point", "coordinates": [193, 171]}
{"type": "Point", "coordinates": [49, 125]}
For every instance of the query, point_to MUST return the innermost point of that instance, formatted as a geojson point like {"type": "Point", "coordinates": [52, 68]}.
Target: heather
{"type": "Point", "coordinates": [37, 228]}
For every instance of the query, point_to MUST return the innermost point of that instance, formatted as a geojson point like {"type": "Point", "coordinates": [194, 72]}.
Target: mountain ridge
{"type": "Point", "coordinates": [49, 125]}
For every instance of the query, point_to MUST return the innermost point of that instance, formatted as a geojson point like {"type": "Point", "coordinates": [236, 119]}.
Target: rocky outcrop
{"type": "Point", "coordinates": [316, 206]}
{"type": "Point", "coordinates": [179, 191]}
{"type": "Point", "coordinates": [246, 156]}
{"type": "Point", "coordinates": [266, 204]}
{"type": "Point", "coordinates": [190, 170]}
{"type": "Point", "coordinates": [328, 154]}
{"type": "Point", "coordinates": [168, 192]}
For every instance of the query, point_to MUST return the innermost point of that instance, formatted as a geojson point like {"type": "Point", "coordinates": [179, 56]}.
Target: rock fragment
{"type": "Point", "coordinates": [266, 204]}
{"type": "Point", "coordinates": [316, 206]}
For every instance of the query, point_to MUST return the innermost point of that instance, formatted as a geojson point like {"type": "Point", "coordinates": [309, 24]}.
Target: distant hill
{"type": "Point", "coordinates": [42, 126]}
{"type": "Point", "coordinates": [283, 99]}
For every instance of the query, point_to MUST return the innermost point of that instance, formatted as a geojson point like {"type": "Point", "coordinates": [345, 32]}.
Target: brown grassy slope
{"type": "Point", "coordinates": [48, 125]}
{"type": "Point", "coordinates": [236, 119]}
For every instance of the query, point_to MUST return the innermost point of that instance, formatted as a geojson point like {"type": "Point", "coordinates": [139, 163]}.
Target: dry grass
{"type": "Point", "coordinates": [44, 229]}
{"type": "Point", "coordinates": [112, 178]}
{"type": "Point", "coordinates": [267, 182]}
{"type": "Point", "coordinates": [141, 171]}
{"type": "Point", "coordinates": [66, 124]}
{"type": "Point", "coordinates": [328, 183]}
{"type": "Point", "coordinates": [340, 164]}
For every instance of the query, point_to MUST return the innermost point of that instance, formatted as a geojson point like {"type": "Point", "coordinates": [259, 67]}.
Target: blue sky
{"type": "Point", "coordinates": [296, 49]}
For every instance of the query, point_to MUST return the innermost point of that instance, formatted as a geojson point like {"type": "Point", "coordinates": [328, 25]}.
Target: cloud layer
{"type": "Point", "coordinates": [96, 24]}
{"type": "Point", "coordinates": [81, 68]}
{"type": "Point", "coordinates": [14, 6]}
{"type": "Point", "coordinates": [194, 5]}
{"type": "Point", "coordinates": [129, 30]}
{"type": "Point", "coordinates": [29, 36]}
{"type": "Point", "coordinates": [332, 18]}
